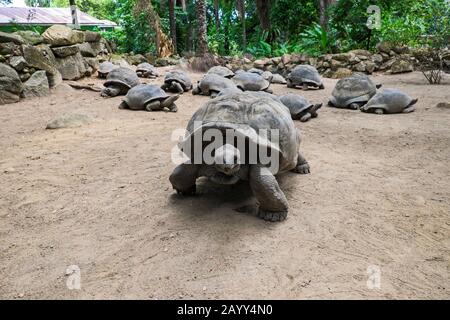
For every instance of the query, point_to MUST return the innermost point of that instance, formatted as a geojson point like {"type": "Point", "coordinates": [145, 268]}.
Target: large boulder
{"type": "Point", "coordinates": [30, 37]}
{"type": "Point", "coordinates": [59, 35]}
{"type": "Point", "coordinates": [90, 49]}
{"type": "Point", "coordinates": [10, 85]}
{"type": "Point", "coordinates": [91, 36]}
{"type": "Point", "coordinates": [71, 67]}
{"type": "Point", "coordinates": [42, 57]}
{"type": "Point", "coordinates": [10, 37]}
{"type": "Point", "coordinates": [401, 66]}
{"type": "Point", "coordinates": [65, 51]}
{"type": "Point", "coordinates": [36, 86]}
{"type": "Point", "coordinates": [385, 47]}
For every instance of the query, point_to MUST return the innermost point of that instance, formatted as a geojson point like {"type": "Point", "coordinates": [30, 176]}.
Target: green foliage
{"type": "Point", "coordinates": [315, 40]}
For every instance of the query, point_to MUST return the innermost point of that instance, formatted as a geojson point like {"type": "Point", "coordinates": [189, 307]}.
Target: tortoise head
{"type": "Point", "coordinates": [227, 159]}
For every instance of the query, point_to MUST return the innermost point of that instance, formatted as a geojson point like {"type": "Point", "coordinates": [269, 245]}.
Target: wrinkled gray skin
{"type": "Point", "coordinates": [390, 101]}
{"type": "Point", "coordinates": [249, 81]}
{"type": "Point", "coordinates": [150, 98]}
{"type": "Point", "coordinates": [211, 84]}
{"type": "Point", "coordinates": [305, 76]}
{"type": "Point", "coordinates": [249, 112]}
{"type": "Point", "coordinates": [177, 81]}
{"type": "Point", "coordinates": [105, 68]}
{"type": "Point", "coordinates": [119, 81]}
{"type": "Point", "coordinates": [221, 71]}
{"type": "Point", "coordinates": [299, 107]}
{"type": "Point", "coordinates": [146, 70]}
{"type": "Point", "coordinates": [352, 92]}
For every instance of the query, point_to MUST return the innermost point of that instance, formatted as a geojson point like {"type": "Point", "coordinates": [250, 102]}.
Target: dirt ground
{"type": "Point", "coordinates": [98, 196]}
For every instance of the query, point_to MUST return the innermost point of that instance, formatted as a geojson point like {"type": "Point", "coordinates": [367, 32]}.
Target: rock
{"type": "Point", "coordinates": [400, 49]}
{"type": "Point", "coordinates": [385, 56]}
{"type": "Point", "coordinates": [66, 51]}
{"type": "Point", "coordinates": [24, 76]}
{"type": "Point", "coordinates": [341, 57]}
{"type": "Point", "coordinates": [377, 58]}
{"type": "Point", "coordinates": [121, 63]}
{"type": "Point", "coordinates": [161, 62]}
{"type": "Point", "coordinates": [328, 73]}
{"type": "Point", "coordinates": [286, 59]}
{"type": "Point", "coordinates": [69, 121]}
{"type": "Point", "coordinates": [443, 105]}
{"type": "Point", "coordinates": [91, 36]}
{"type": "Point", "coordinates": [90, 49]}
{"type": "Point", "coordinates": [42, 57]}
{"type": "Point", "coordinates": [360, 52]}
{"type": "Point", "coordinates": [10, 37]}
{"type": "Point", "coordinates": [71, 67]}
{"type": "Point", "coordinates": [354, 59]}
{"type": "Point", "coordinates": [261, 63]}
{"type": "Point", "coordinates": [18, 62]}
{"type": "Point", "coordinates": [299, 58]}
{"type": "Point", "coordinates": [360, 67]}
{"type": "Point", "coordinates": [401, 66]}
{"type": "Point", "coordinates": [277, 78]}
{"type": "Point", "coordinates": [136, 59]}
{"type": "Point", "coordinates": [36, 86]}
{"type": "Point", "coordinates": [60, 35]}
{"type": "Point", "coordinates": [335, 64]}
{"type": "Point", "coordinates": [10, 85]}
{"type": "Point", "coordinates": [276, 60]}
{"type": "Point", "coordinates": [387, 65]}
{"type": "Point", "coordinates": [10, 48]}
{"type": "Point", "coordinates": [370, 66]}
{"type": "Point", "coordinates": [342, 73]}
{"type": "Point", "coordinates": [93, 63]}
{"type": "Point", "coordinates": [384, 47]}
{"type": "Point", "coordinates": [30, 37]}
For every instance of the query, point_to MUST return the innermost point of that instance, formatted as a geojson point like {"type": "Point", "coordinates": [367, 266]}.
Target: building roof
{"type": "Point", "coordinates": [47, 16]}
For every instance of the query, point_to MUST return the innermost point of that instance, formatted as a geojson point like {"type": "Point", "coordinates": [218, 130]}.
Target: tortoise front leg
{"type": "Point", "coordinates": [302, 165]}
{"type": "Point", "coordinates": [176, 87]}
{"type": "Point", "coordinates": [153, 106]}
{"type": "Point", "coordinates": [305, 117]}
{"type": "Point", "coordinates": [273, 205]}
{"type": "Point", "coordinates": [183, 178]}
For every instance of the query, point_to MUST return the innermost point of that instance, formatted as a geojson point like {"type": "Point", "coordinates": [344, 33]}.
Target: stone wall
{"type": "Point", "coordinates": [387, 58]}
{"type": "Point", "coordinates": [34, 62]}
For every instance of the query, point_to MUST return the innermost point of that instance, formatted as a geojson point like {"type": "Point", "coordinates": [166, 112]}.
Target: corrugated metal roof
{"type": "Point", "coordinates": [47, 16]}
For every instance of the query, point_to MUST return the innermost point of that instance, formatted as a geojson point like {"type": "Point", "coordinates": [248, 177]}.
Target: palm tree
{"type": "Point", "coordinates": [202, 48]}
{"type": "Point", "coordinates": [241, 9]}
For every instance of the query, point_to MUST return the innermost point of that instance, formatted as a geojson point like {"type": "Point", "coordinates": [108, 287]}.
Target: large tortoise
{"type": "Point", "coordinates": [390, 101]}
{"type": "Point", "coordinates": [304, 76]}
{"type": "Point", "coordinates": [299, 107]}
{"type": "Point", "coordinates": [119, 81]}
{"type": "Point", "coordinates": [211, 84]}
{"type": "Point", "coordinates": [105, 68]}
{"type": "Point", "coordinates": [146, 70]}
{"type": "Point", "coordinates": [263, 126]}
{"type": "Point", "coordinates": [250, 81]}
{"type": "Point", "coordinates": [353, 92]}
{"type": "Point", "coordinates": [221, 71]}
{"type": "Point", "coordinates": [150, 98]}
{"type": "Point", "coordinates": [177, 81]}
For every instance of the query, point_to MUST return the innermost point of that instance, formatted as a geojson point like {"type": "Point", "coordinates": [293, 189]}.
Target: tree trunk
{"type": "Point", "coordinates": [173, 26]}
{"type": "Point", "coordinates": [183, 5]}
{"type": "Point", "coordinates": [241, 9]}
{"type": "Point", "coordinates": [164, 46]}
{"type": "Point", "coordinates": [323, 7]}
{"type": "Point", "coordinates": [263, 8]}
{"type": "Point", "coordinates": [202, 48]}
{"type": "Point", "coordinates": [216, 14]}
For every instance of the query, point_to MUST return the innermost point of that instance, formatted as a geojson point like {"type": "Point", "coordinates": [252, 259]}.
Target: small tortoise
{"type": "Point", "coordinates": [148, 97]}
{"type": "Point", "coordinates": [247, 117]}
{"type": "Point", "coordinates": [146, 70]}
{"type": "Point", "coordinates": [249, 81]}
{"type": "Point", "coordinates": [390, 101]}
{"type": "Point", "coordinates": [256, 70]}
{"type": "Point", "coordinates": [353, 92]}
{"type": "Point", "coordinates": [177, 81]}
{"type": "Point", "coordinates": [211, 84]}
{"type": "Point", "coordinates": [105, 68]}
{"type": "Point", "coordinates": [221, 71]}
{"type": "Point", "coordinates": [299, 107]}
{"type": "Point", "coordinates": [278, 78]}
{"type": "Point", "coordinates": [119, 81]}
{"type": "Point", "coordinates": [305, 76]}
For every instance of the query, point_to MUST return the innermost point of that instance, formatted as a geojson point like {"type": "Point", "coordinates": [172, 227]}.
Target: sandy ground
{"type": "Point", "coordinates": [98, 197]}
